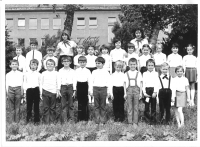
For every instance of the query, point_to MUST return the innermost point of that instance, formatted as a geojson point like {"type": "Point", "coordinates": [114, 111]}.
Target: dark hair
{"type": "Point", "coordinates": [82, 58]}
{"type": "Point", "coordinates": [18, 47]}
{"type": "Point", "coordinates": [150, 61]}
{"type": "Point", "coordinates": [179, 67]}
{"type": "Point", "coordinates": [116, 40]}
{"type": "Point", "coordinates": [50, 48]}
{"type": "Point", "coordinates": [91, 46]}
{"type": "Point", "coordinates": [14, 60]}
{"type": "Point", "coordinates": [132, 60]}
{"type": "Point", "coordinates": [80, 46]}
{"type": "Point", "coordinates": [34, 42]}
{"type": "Point", "coordinates": [65, 57]}
{"type": "Point", "coordinates": [146, 45]}
{"type": "Point", "coordinates": [100, 59]}
{"type": "Point", "coordinates": [190, 45]}
{"type": "Point", "coordinates": [34, 61]}
{"type": "Point", "coordinates": [175, 45]}
{"type": "Point", "coordinates": [104, 47]}
{"type": "Point", "coordinates": [51, 60]}
{"type": "Point", "coordinates": [66, 33]}
{"type": "Point", "coordinates": [142, 33]}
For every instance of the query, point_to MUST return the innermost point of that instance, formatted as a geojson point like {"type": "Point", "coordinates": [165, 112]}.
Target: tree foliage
{"type": "Point", "coordinates": [153, 18]}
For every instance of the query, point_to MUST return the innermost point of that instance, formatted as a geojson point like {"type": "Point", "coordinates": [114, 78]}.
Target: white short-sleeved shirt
{"type": "Point", "coordinates": [174, 60]}
{"type": "Point", "coordinates": [138, 45]}
{"type": "Point", "coordinates": [53, 58]}
{"type": "Point", "coordinates": [160, 58]}
{"type": "Point", "coordinates": [190, 61]}
{"type": "Point", "coordinates": [180, 83]}
{"type": "Point", "coordinates": [143, 59]}
{"type": "Point", "coordinates": [132, 75]}
{"type": "Point", "coordinates": [91, 61]}
{"type": "Point", "coordinates": [133, 55]}
{"type": "Point", "coordinates": [76, 59]}
{"type": "Point", "coordinates": [117, 54]}
{"type": "Point", "coordinates": [22, 60]}
{"type": "Point", "coordinates": [65, 49]}
{"type": "Point", "coordinates": [108, 62]}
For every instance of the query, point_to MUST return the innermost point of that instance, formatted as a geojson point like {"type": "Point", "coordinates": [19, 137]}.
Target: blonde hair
{"type": "Point", "coordinates": [119, 63]}
{"type": "Point", "coordinates": [159, 45]}
{"type": "Point", "coordinates": [165, 64]}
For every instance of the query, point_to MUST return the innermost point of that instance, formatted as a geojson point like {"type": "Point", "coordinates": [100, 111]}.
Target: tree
{"type": "Point", "coordinates": [153, 18]}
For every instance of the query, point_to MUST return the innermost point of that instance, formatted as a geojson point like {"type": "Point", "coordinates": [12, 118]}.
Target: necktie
{"type": "Point", "coordinates": [33, 55]}
{"type": "Point", "coordinates": [17, 58]}
{"type": "Point", "coordinates": [165, 77]}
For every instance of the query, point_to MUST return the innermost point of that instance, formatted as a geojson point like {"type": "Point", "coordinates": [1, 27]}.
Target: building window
{"type": "Point", "coordinates": [21, 41]}
{"type": "Point", "coordinates": [21, 23]}
{"type": "Point", "coordinates": [57, 23]}
{"type": "Point", "coordinates": [93, 22]}
{"type": "Point", "coordinates": [111, 21]}
{"type": "Point", "coordinates": [81, 23]}
{"type": "Point", "coordinates": [32, 40]}
{"type": "Point", "coordinates": [43, 41]}
{"type": "Point", "coordinates": [9, 23]}
{"type": "Point", "coordinates": [33, 23]}
{"type": "Point", "coordinates": [44, 23]}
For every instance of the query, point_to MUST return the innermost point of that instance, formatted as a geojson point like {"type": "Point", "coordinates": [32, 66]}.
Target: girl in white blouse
{"type": "Point", "coordinates": [190, 66]}
{"type": "Point", "coordinates": [182, 95]}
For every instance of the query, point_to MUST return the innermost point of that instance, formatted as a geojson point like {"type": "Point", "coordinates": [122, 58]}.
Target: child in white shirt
{"type": "Point", "coordinates": [20, 58]}
{"type": "Point", "coordinates": [190, 66]}
{"type": "Point", "coordinates": [105, 54]}
{"type": "Point", "coordinates": [159, 57]}
{"type": "Point", "coordinates": [182, 94]}
{"type": "Point", "coordinates": [91, 59]}
{"type": "Point", "coordinates": [50, 90]}
{"type": "Point", "coordinates": [174, 59]}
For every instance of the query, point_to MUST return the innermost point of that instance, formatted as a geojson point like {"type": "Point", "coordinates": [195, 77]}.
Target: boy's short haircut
{"type": "Point", "coordinates": [50, 48]}
{"type": "Point", "coordinates": [80, 46]}
{"type": "Point", "coordinates": [14, 60]}
{"type": "Point", "coordinates": [91, 46]}
{"type": "Point", "coordinates": [51, 60]}
{"type": "Point", "coordinates": [150, 61]}
{"type": "Point", "coordinates": [104, 47]}
{"type": "Point", "coordinates": [131, 45]}
{"type": "Point", "coordinates": [82, 59]}
{"type": "Point", "coordinates": [34, 61]}
{"type": "Point", "coordinates": [119, 62]}
{"type": "Point", "coordinates": [179, 67]}
{"type": "Point", "coordinates": [100, 59]}
{"type": "Point", "coordinates": [18, 47]}
{"type": "Point", "coordinates": [65, 57]}
{"type": "Point", "coordinates": [165, 64]}
{"type": "Point", "coordinates": [175, 45]}
{"type": "Point", "coordinates": [116, 40]}
{"type": "Point", "coordinates": [132, 60]}
{"type": "Point", "coordinates": [34, 42]}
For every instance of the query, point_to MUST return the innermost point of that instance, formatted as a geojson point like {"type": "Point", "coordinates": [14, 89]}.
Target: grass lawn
{"type": "Point", "coordinates": [111, 131]}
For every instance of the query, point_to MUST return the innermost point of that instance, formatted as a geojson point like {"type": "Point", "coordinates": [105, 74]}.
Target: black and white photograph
{"type": "Point", "coordinates": [100, 72]}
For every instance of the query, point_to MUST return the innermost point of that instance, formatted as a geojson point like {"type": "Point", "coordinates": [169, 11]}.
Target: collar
{"type": "Point", "coordinates": [150, 72]}
{"type": "Point", "coordinates": [66, 69]}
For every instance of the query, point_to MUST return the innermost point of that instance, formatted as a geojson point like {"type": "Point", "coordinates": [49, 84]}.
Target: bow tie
{"type": "Point", "coordinates": [165, 77]}
{"type": "Point", "coordinates": [66, 42]}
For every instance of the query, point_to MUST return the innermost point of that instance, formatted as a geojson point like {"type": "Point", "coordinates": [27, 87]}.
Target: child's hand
{"type": "Point", "coordinates": [108, 95]}
{"type": "Point", "coordinates": [58, 94]}
{"type": "Point", "coordinates": [154, 95]}
{"type": "Point", "coordinates": [146, 95]}
{"type": "Point", "coordinates": [74, 94]}
{"type": "Point", "coordinates": [41, 96]}
{"type": "Point", "coordinates": [125, 96]}
{"type": "Point", "coordinates": [112, 97]}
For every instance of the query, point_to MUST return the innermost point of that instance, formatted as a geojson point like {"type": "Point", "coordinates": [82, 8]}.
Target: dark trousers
{"type": "Point", "coordinates": [66, 102]}
{"type": "Point", "coordinates": [143, 69]}
{"type": "Point", "coordinates": [60, 65]}
{"type": "Point", "coordinates": [49, 106]}
{"type": "Point", "coordinates": [91, 68]}
{"type": "Point", "coordinates": [82, 96]}
{"type": "Point", "coordinates": [33, 98]}
{"type": "Point", "coordinates": [113, 67]}
{"type": "Point", "coordinates": [100, 94]}
{"type": "Point", "coordinates": [165, 103]}
{"type": "Point", "coordinates": [133, 94]}
{"type": "Point", "coordinates": [14, 98]}
{"type": "Point", "coordinates": [118, 103]}
{"type": "Point", "coordinates": [152, 103]}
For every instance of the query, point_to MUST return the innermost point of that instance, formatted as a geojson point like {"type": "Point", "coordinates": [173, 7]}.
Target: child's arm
{"type": "Point", "coordinates": [110, 63]}
{"type": "Point", "coordinates": [90, 83]}
{"type": "Point", "coordinates": [125, 95]}
{"type": "Point", "coordinates": [58, 94]}
{"type": "Point", "coordinates": [7, 85]}
{"type": "Point", "coordinates": [144, 85]}
{"type": "Point", "coordinates": [141, 83]}
{"type": "Point", "coordinates": [41, 84]}
{"type": "Point", "coordinates": [40, 62]}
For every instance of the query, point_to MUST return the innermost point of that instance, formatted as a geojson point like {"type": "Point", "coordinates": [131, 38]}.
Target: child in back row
{"type": "Point", "coordinates": [105, 54]}
{"type": "Point", "coordinates": [100, 85]}
{"type": "Point", "coordinates": [91, 59]}
{"type": "Point", "coordinates": [150, 90]}
{"type": "Point", "coordinates": [50, 55]}
{"type": "Point", "coordinates": [159, 57]}
{"type": "Point", "coordinates": [80, 50]}
{"type": "Point", "coordinates": [174, 59]}
{"type": "Point", "coordinates": [14, 90]}
{"type": "Point", "coordinates": [134, 92]}
{"type": "Point", "coordinates": [190, 67]}
{"type": "Point", "coordinates": [20, 58]}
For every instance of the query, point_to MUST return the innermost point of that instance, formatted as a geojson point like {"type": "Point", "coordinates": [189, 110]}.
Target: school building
{"type": "Point", "coordinates": [33, 21]}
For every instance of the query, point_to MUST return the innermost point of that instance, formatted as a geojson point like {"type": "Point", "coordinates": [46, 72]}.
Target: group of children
{"type": "Point", "coordinates": [120, 76]}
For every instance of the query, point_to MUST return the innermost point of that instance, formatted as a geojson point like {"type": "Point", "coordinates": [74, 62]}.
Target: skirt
{"type": "Point", "coordinates": [181, 99]}
{"type": "Point", "coordinates": [157, 68]}
{"type": "Point", "coordinates": [172, 72]}
{"type": "Point", "coordinates": [191, 74]}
